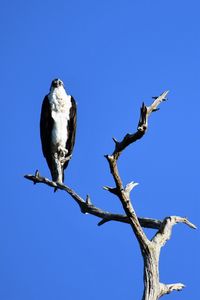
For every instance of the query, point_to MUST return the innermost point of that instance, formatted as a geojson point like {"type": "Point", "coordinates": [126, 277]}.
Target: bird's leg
{"type": "Point", "coordinates": [60, 157]}
{"type": "Point", "coordinates": [57, 168]}
{"type": "Point", "coordinates": [62, 154]}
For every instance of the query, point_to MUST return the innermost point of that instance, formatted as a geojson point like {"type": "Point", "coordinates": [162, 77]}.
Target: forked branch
{"type": "Point", "coordinates": [150, 250]}
{"type": "Point", "coordinates": [120, 191]}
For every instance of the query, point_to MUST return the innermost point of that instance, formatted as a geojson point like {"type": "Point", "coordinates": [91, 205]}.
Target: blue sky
{"type": "Point", "coordinates": [112, 55]}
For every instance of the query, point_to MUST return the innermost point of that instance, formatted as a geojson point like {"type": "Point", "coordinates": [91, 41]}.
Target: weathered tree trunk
{"type": "Point", "coordinates": [151, 274]}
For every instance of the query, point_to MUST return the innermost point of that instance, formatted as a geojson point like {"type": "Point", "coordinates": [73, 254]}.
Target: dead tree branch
{"type": "Point", "coordinates": [87, 207]}
{"type": "Point", "coordinates": [168, 288]}
{"type": "Point", "coordinates": [165, 231]}
{"type": "Point", "coordinates": [150, 249]}
{"type": "Point", "coordinates": [145, 112]}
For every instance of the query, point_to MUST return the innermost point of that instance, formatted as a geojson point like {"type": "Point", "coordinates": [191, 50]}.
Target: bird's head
{"type": "Point", "coordinates": [56, 83]}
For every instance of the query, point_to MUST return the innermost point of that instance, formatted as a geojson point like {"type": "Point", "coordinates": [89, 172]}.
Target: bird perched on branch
{"type": "Point", "coordinates": [58, 129]}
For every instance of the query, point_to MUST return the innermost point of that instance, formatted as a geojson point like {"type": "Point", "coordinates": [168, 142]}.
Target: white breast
{"type": "Point", "coordinates": [60, 110]}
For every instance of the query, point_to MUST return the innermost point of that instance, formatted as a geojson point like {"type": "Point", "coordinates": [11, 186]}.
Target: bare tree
{"type": "Point", "coordinates": [150, 249]}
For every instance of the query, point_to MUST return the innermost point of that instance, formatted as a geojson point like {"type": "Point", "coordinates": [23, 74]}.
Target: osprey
{"type": "Point", "coordinates": [58, 129]}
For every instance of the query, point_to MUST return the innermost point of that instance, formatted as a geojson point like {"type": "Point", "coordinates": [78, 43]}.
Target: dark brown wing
{"type": "Point", "coordinates": [71, 128]}
{"type": "Point", "coordinates": [46, 125]}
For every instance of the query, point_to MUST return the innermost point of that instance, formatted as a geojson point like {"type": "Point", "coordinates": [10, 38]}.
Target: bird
{"type": "Point", "coordinates": [58, 129]}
